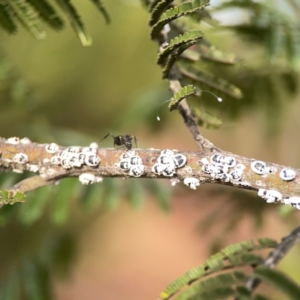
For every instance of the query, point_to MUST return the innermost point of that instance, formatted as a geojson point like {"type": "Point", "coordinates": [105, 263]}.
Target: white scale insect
{"type": "Point", "coordinates": [293, 201]}
{"type": "Point", "coordinates": [259, 167]}
{"type": "Point", "coordinates": [88, 178]}
{"type": "Point", "coordinates": [287, 174]}
{"type": "Point", "coordinates": [52, 148]}
{"type": "Point", "coordinates": [20, 158]}
{"type": "Point", "coordinates": [131, 162]}
{"type": "Point", "coordinates": [191, 182]}
{"type": "Point", "coordinates": [270, 196]}
{"type": "Point", "coordinates": [168, 162]}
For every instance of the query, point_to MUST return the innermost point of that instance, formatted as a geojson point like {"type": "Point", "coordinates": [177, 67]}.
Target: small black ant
{"type": "Point", "coordinates": [122, 140]}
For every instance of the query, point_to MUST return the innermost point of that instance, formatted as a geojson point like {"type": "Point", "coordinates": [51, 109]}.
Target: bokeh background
{"type": "Point", "coordinates": [125, 240]}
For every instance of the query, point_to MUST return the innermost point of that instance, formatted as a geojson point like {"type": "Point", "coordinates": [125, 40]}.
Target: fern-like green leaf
{"type": "Point", "coordinates": [178, 42]}
{"type": "Point", "coordinates": [279, 281]}
{"type": "Point", "coordinates": [220, 261]}
{"type": "Point", "coordinates": [101, 7]}
{"type": "Point", "coordinates": [293, 46]}
{"type": "Point", "coordinates": [136, 193]}
{"type": "Point", "coordinates": [210, 82]}
{"type": "Point", "coordinates": [259, 297]}
{"type": "Point", "coordinates": [27, 16]}
{"type": "Point", "coordinates": [48, 13]}
{"type": "Point", "coordinates": [213, 54]}
{"type": "Point", "coordinates": [75, 21]}
{"type": "Point", "coordinates": [6, 20]}
{"type": "Point", "coordinates": [180, 95]}
{"type": "Point", "coordinates": [208, 286]}
{"type": "Point", "coordinates": [174, 56]}
{"type": "Point", "coordinates": [157, 8]}
{"type": "Point", "coordinates": [33, 209]}
{"type": "Point", "coordinates": [176, 12]}
{"type": "Point", "coordinates": [206, 119]}
{"type": "Point", "coordinates": [61, 202]}
{"type": "Point", "coordinates": [218, 293]}
{"type": "Point", "coordinates": [11, 197]}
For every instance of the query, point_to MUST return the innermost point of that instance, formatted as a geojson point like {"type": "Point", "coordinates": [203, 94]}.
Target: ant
{"type": "Point", "coordinates": [122, 140]}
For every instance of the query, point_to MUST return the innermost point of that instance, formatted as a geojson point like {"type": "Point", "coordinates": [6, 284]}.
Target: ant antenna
{"type": "Point", "coordinates": [218, 98]}
{"type": "Point", "coordinates": [157, 116]}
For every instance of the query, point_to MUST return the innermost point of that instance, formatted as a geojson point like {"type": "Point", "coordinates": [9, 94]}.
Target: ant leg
{"type": "Point", "coordinates": [136, 141]}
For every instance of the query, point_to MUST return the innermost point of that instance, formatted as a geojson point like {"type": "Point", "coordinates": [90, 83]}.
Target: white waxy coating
{"type": "Point", "coordinates": [20, 158]}
{"type": "Point", "coordinates": [290, 200]}
{"type": "Point", "coordinates": [287, 174]}
{"type": "Point", "coordinates": [94, 145]}
{"type": "Point", "coordinates": [137, 170]}
{"type": "Point", "coordinates": [167, 152]}
{"type": "Point", "coordinates": [13, 140]}
{"type": "Point", "coordinates": [25, 140]}
{"type": "Point", "coordinates": [158, 169]}
{"type": "Point", "coordinates": [192, 182]}
{"type": "Point", "coordinates": [52, 148]}
{"type": "Point", "coordinates": [87, 178]}
{"type": "Point", "coordinates": [258, 167]}
{"type": "Point", "coordinates": [217, 159]}
{"type": "Point", "coordinates": [270, 195]}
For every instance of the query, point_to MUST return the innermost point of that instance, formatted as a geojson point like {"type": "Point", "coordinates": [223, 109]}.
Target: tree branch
{"type": "Point", "coordinates": [192, 168]}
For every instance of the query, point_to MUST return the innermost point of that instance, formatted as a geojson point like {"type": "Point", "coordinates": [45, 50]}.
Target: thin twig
{"type": "Point", "coordinates": [30, 184]}
{"type": "Point", "coordinates": [275, 256]}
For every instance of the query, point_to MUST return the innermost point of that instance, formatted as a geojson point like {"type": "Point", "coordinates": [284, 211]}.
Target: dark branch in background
{"type": "Point", "coordinates": [188, 118]}
{"type": "Point", "coordinates": [275, 256]}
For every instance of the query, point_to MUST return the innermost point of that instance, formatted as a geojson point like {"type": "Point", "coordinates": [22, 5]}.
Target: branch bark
{"type": "Point", "coordinates": [39, 160]}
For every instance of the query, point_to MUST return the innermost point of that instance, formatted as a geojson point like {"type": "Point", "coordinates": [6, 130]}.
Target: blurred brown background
{"type": "Point", "coordinates": [80, 94]}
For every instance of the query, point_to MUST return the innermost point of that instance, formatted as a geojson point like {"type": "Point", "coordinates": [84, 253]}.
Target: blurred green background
{"type": "Point", "coordinates": [124, 240]}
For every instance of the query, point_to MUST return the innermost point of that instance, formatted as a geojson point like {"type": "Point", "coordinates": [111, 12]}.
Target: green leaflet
{"type": "Point", "coordinates": [173, 57]}
{"type": "Point", "coordinates": [34, 208]}
{"type": "Point", "coordinates": [161, 194]}
{"type": "Point", "coordinates": [180, 95]}
{"type": "Point", "coordinates": [6, 19]}
{"type": "Point", "coordinates": [11, 197]}
{"type": "Point", "coordinates": [209, 287]}
{"type": "Point", "coordinates": [35, 277]}
{"type": "Point", "coordinates": [278, 280]}
{"type": "Point", "coordinates": [60, 208]}
{"type": "Point", "coordinates": [206, 119]}
{"type": "Point", "coordinates": [211, 82]}
{"type": "Point", "coordinates": [157, 8]}
{"type": "Point", "coordinates": [75, 21]}
{"type": "Point", "coordinates": [238, 254]}
{"type": "Point", "coordinates": [27, 16]}
{"type": "Point", "coordinates": [99, 4]}
{"type": "Point", "coordinates": [136, 193]}
{"type": "Point", "coordinates": [213, 54]}
{"type": "Point", "coordinates": [176, 12]}
{"type": "Point", "coordinates": [179, 41]}
{"type": "Point", "coordinates": [47, 13]}
{"type": "Point", "coordinates": [293, 46]}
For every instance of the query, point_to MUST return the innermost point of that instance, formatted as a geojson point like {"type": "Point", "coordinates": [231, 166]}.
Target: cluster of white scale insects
{"type": "Point", "coordinates": [219, 166]}
{"type": "Point", "coordinates": [224, 168]}
{"type": "Point", "coordinates": [74, 156]}
{"type": "Point", "coordinates": [168, 162]}
{"type": "Point", "coordinates": [132, 163]}
{"type": "Point", "coordinates": [273, 196]}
